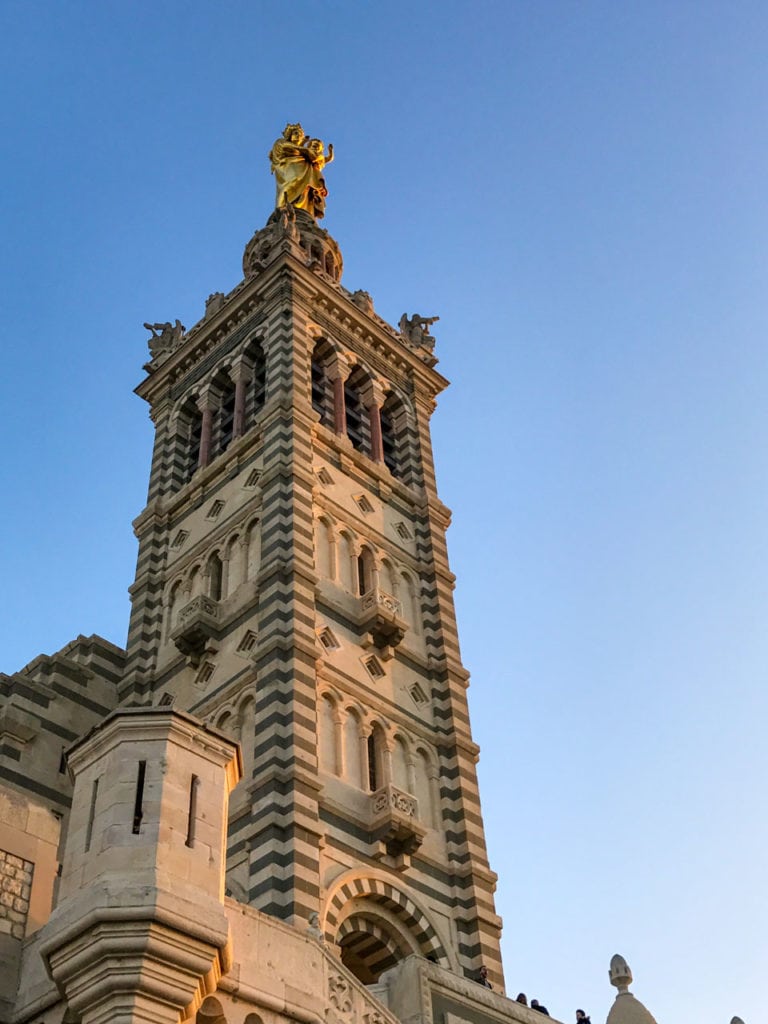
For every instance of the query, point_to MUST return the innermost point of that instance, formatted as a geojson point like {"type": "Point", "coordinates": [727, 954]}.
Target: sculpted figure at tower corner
{"type": "Point", "coordinates": [297, 163]}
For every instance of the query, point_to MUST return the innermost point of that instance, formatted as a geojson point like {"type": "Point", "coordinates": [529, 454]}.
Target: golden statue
{"type": "Point", "coordinates": [297, 163]}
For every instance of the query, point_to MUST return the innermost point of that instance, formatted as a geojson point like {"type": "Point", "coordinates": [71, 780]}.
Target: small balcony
{"type": "Point", "coordinates": [381, 616]}
{"type": "Point", "coordinates": [394, 823]}
{"type": "Point", "coordinates": [197, 626]}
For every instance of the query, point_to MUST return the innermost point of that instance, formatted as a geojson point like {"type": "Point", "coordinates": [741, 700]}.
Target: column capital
{"type": "Point", "coordinates": [374, 392]}
{"type": "Point", "coordinates": [241, 370]}
{"type": "Point", "coordinates": [341, 365]}
{"type": "Point", "coordinates": [206, 400]}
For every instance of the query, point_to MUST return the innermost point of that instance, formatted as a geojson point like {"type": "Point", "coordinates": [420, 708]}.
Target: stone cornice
{"type": "Point", "coordinates": [365, 333]}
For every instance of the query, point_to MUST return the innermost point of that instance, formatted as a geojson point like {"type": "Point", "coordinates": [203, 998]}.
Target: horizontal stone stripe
{"type": "Point", "coordinates": [274, 909]}
{"type": "Point", "coordinates": [58, 730]}
{"type": "Point", "coordinates": [463, 815]}
{"type": "Point", "coordinates": [82, 700]}
{"type": "Point", "coordinates": [287, 615]}
{"type": "Point", "coordinates": [272, 858]}
{"type": "Point", "coordinates": [285, 764]}
{"type": "Point", "coordinates": [281, 696]}
{"type": "Point", "coordinates": [11, 684]}
{"type": "Point", "coordinates": [349, 829]}
{"type": "Point", "coordinates": [470, 952]}
{"type": "Point", "coordinates": [290, 723]}
{"type": "Point", "coordinates": [24, 782]}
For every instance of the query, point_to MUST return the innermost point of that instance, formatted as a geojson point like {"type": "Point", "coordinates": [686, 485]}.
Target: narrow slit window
{"type": "Point", "coordinates": [91, 814]}
{"type": "Point", "coordinates": [138, 808]}
{"type": "Point", "coordinates": [192, 817]}
{"type": "Point", "coordinates": [372, 780]}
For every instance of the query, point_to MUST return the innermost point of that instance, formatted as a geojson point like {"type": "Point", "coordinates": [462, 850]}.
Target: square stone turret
{"type": "Point", "coordinates": [140, 930]}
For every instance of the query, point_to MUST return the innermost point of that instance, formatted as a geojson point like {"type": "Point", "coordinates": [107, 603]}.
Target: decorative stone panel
{"type": "Point", "coordinates": [394, 823]}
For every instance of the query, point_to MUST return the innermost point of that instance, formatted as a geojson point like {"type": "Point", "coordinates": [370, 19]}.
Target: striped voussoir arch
{"type": "Point", "coordinates": [371, 944]}
{"type": "Point", "coordinates": [387, 895]}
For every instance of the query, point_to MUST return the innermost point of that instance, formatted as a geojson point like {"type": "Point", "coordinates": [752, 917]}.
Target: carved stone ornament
{"type": "Point", "coordinates": [196, 626]}
{"type": "Point", "coordinates": [415, 330]}
{"type": "Point", "coordinates": [339, 993]}
{"type": "Point", "coordinates": [381, 615]}
{"type": "Point", "coordinates": [165, 337]}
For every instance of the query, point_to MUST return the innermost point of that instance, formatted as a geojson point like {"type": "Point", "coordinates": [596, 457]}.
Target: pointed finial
{"type": "Point", "coordinates": [737, 1020]}
{"type": "Point", "coordinates": [620, 974]}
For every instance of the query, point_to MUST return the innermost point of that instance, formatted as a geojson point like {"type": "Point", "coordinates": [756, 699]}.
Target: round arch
{"type": "Point", "coordinates": [369, 904]}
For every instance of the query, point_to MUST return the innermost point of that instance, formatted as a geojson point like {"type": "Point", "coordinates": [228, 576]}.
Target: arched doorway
{"type": "Point", "coordinates": [375, 924]}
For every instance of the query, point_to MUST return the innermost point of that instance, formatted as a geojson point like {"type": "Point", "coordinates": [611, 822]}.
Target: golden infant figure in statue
{"type": "Point", "coordinates": [297, 163]}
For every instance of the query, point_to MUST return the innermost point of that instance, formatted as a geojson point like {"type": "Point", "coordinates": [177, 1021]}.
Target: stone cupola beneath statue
{"type": "Point", "coordinates": [293, 230]}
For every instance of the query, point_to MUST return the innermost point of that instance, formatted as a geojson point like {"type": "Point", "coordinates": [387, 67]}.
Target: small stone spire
{"type": "Point", "coordinates": [626, 1008]}
{"type": "Point", "coordinates": [620, 973]}
{"type": "Point", "coordinates": [736, 1020]}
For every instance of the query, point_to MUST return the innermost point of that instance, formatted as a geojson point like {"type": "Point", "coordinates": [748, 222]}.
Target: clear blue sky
{"type": "Point", "coordinates": [579, 191]}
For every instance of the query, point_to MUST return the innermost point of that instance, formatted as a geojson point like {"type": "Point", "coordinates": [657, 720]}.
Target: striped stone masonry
{"type": "Point", "coordinates": [309, 520]}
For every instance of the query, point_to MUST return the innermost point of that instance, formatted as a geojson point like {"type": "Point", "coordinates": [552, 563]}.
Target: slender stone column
{"type": "Point", "coordinates": [338, 733]}
{"type": "Point", "coordinates": [224, 576]}
{"type": "Point", "coordinates": [338, 371]}
{"type": "Point", "coordinates": [386, 763]}
{"type": "Point", "coordinates": [364, 771]}
{"type": "Point", "coordinates": [205, 405]}
{"type": "Point", "coordinates": [339, 408]}
{"type": "Point", "coordinates": [411, 769]}
{"type": "Point", "coordinates": [242, 376]}
{"type": "Point", "coordinates": [373, 397]}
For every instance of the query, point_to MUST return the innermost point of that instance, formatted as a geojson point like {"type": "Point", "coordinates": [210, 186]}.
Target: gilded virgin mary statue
{"type": "Point", "coordinates": [297, 162]}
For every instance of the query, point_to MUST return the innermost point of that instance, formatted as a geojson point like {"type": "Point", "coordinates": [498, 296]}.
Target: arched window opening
{"type": "Point", "coordinates": [195, 582]}
{"type": "Point", "coordinates": [387, 579]}
{"type": "Point", "coordinates": [373, 767]}
{"type": "Point", "coordinates": [347, 564]}
{"type": "Point", "coordinates": [400, 765]}
{"type": "Point", "coordinates": [322, 387]}
{"type": "Point", "coordinates": [173, 604]}
{"type": "Point", "coordinates": [365, 572]}
{"type": "Point", "coordinates": [189, 438]}
{"type": "Point", "coordinates": [246, 728]}
{"type": "Point", "coordinates": [358, 424]}
{"type": "Point", "coordinates": [409, 602]}
{"type": "Point", "coordinates": [253, 551]}
{"type": "Point", "coordinates": [224, 420]}
{"type": "Point", "coordinates": [235, 563]}
{"type": "Point", "coordinates": [353, 762]}
{"type": "Point", "coordinates": [215, 577]}
{"type": "Point", "coordinates": [225, 723]}
{"type": "Point", "coordinates": [324, 550]}
{"type": "Point", "coordinates": [211, 1012]}
{"type": "Point", "coordinates": [423, 794]}
{"type": "Point", "coordinates": [327, 732]}
{"type": "Point", "coordinates": [256, 394]}
{"type": "Point", "coordinates": [391, 413]}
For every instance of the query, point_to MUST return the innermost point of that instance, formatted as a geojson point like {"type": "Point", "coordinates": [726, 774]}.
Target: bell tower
{"type": "Point", "coordinates": [293, 590]}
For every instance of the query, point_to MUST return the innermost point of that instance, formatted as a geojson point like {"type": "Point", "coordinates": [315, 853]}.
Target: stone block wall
{"type": "Point", "coordinates": [15, 891]}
